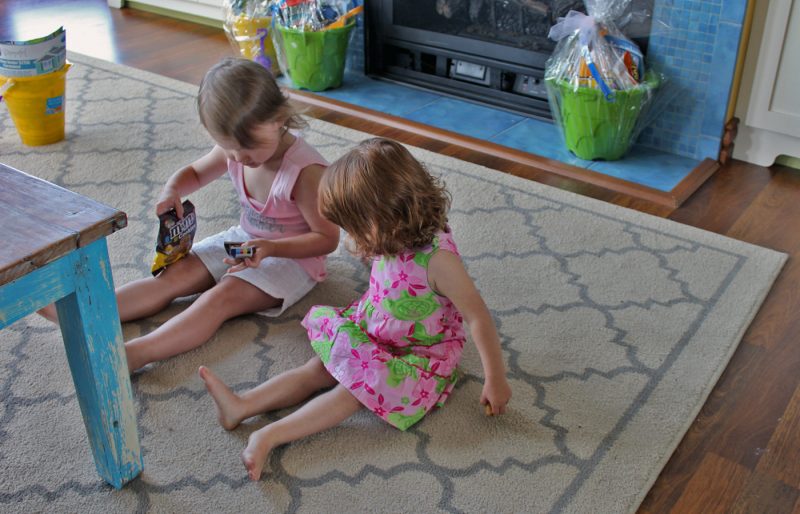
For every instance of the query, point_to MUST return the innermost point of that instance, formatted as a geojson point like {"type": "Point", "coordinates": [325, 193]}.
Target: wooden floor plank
{"type": "Point", "coordinates": [763, 494]}
{"type": "Point", "coordinates": [707, 495]}
{"type": "Point", "coordinates": [778, 321]}
{"type": "Point", "coordinates": [734, 186]}
{"type": "Point", "coordinates": [783, 451]}
{"type": "Point", "coordinates": [767, 221]}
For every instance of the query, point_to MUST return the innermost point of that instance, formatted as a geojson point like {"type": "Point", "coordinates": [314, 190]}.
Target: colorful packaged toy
{"type": "Point", "coordinates": [237, 251]}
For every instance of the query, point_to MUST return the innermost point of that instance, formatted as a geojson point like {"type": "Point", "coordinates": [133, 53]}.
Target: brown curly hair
{"type": "Point", "coordinates": [383, 198]}
{"type": "Point", "coordinates": [237, 95]}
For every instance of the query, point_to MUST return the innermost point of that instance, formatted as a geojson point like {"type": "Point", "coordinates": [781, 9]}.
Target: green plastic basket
{"type": "Point", "coordinates": [595, 128]}
{"type": "Point", "coordinates": [315, 59]}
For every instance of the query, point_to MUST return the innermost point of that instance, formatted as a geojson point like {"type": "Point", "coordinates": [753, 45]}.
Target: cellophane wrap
{"type": "Point", "coordinates": [248, 25]}
{"type": "Point", "coordinates": [317, 46]}
{"type": "Point", "coordinates": [597, 81]}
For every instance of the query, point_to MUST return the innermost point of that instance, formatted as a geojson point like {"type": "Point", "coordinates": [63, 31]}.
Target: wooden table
{"type": "Point", "coordinates": [54, 250]}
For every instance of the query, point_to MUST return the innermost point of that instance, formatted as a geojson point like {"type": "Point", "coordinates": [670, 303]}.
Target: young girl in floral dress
{"type": "Point", "coordinates": [394, 350]}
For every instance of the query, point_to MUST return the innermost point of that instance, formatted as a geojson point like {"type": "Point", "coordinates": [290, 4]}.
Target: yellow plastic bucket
{"type": "Point", "coordinates": [37, 105]}
{"type": "Point", "coordinates": [252, 37]}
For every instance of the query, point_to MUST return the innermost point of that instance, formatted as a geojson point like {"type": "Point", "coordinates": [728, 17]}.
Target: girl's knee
{"type": "Point", "coordinates": [225, 297]}
{"type": "Point", "coordinates": [346, 397]}
{"type": "Point", "coordinates": [315, 364]}
{"type": "Point", "coordinates": [315, 368]}
{"type": "Point", "coordinates": [237, 297]}
{"type": "Point", "coordinates": [186, 270]}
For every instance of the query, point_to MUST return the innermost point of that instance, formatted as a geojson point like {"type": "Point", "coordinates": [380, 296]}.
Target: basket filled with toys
{"type": "Point", "coordinates": [597, 84]}
{"type": "Point", "coordinates": [248, 25]}
{"type": "Point", "coordinates": [311, 38]}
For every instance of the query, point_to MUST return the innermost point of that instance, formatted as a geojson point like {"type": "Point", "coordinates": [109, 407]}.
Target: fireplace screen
{"type": "Point", "coordinates": [522, 24]}
{"type": "Point", "coordinates": [487, 51]}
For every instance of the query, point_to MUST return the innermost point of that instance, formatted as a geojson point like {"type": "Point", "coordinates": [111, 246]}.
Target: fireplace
{"type": "Point", "coordinates": [488, 51]}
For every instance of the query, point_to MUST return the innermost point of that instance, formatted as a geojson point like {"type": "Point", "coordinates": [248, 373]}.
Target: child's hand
{"type": "Point", "coordinates": [263, 249]}
{"type": "Point", "coordinates": [495, 395]}
{"type": "Point", "coordinates": [169, 199]}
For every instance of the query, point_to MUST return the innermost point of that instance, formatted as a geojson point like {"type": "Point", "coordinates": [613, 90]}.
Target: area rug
{"type": "Point", "coordinates": [615, 326]}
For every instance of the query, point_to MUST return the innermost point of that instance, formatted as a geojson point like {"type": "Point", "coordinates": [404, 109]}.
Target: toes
{"type": "Point", "coordinates": [252, 469]}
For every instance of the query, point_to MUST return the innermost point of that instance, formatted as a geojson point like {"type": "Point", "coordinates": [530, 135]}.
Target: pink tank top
{"type": "Point", "coordinates": [279, 216]}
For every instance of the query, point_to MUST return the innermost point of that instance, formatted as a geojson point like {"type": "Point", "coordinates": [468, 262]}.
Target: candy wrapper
{"type": "Point", "coordinates": [597, 82]}
{"type": "Point", "coordinates": [175, 237]}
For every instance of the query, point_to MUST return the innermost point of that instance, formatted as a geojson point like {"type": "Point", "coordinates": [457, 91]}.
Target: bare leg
{"type": "Point", "coordinates": [194, 326]}
{"type": "Point", "coordinates": [284, 390]}
{"type": "Point", "coordinates": [147, 296]}
{"type": "Point", "coordinates": [322, 412]}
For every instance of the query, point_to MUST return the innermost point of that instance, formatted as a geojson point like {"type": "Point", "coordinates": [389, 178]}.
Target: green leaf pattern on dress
{"type": "Point", "coordinates": [423, 338]}
{"type": "Point", "coordinates": [403, 422]}
{"type": "Point", "coordinates": [411, 308]}
{"type": "Point", "coordinates": [323, 349]}
{"type": "Point", "coordinates": [407, 366]}
{"type": "Point", "coordinates": [356, 333]}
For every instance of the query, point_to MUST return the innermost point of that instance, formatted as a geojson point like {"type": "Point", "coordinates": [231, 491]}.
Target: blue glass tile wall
{"type": "Point", "coordinates": [695, 43]}
{"type": "Point", "coordinates": [355, 50]}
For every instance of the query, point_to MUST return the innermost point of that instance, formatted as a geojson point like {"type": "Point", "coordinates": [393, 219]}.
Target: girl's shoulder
{"type": "Point", "coordinates": [301, 155]}
{"type": "Point", "coordinates": [445, 241]}
{"type": "Point", "coordinates": [298, 157]}
{"type": "Point", "coordinates": [421, 256]}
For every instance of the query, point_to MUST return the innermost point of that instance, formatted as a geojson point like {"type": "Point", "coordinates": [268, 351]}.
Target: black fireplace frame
{"type": "Point", "coordinates": [429, 56]}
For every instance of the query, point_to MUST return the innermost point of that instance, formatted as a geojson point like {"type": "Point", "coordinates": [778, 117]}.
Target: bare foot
{"type": "Point", "coordinates": [227, 402]}
{"type": "Point", "coordinates": [49, 313]}
{"type": "Point", "coordinates": [255, 455]}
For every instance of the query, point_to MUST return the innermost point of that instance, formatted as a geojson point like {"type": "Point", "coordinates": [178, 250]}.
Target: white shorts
{"type": "Point", "coordinates": [277, 276]}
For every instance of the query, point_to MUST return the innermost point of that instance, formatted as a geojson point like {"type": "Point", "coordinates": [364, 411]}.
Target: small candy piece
{"type": "Point", "coordinates": [488, 409]}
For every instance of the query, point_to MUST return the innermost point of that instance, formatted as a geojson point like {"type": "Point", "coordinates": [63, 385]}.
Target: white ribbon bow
{"type": "Point", "coordinates": [574, 20]}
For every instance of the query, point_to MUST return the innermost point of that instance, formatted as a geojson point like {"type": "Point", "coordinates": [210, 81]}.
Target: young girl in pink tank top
{"type": "Point", "coordinates": [276, 175]}
{"type": "Point", "coordinates": [395, 349]}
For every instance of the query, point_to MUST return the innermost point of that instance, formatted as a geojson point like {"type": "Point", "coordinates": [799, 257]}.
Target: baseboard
{"type": "Point", "coordinates": [171, 13]}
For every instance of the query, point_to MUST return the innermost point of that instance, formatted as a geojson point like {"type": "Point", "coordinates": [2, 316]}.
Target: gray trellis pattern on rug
{"type": "Point", "coordinates": [614, 326]}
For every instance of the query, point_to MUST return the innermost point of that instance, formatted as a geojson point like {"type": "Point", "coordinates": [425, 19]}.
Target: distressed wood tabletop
{"type": "Point", "coordinates": [40, 222]}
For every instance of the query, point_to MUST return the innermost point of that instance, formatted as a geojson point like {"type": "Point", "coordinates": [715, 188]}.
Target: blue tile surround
{"type": "Point", "coordinates": [698, 53]}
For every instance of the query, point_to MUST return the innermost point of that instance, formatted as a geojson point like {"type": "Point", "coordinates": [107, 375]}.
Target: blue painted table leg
{"type": "Point", "coordinates": [93, 339]}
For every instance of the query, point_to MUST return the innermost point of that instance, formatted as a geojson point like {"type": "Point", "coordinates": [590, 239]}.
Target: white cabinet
{"type": "Point", "coordinates": [205, 8]}
{"type": "Point", "coordinates": [769, 102]}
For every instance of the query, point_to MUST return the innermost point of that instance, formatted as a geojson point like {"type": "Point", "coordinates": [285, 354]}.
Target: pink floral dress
{"type": "Point", "coordinates": [397, 347]}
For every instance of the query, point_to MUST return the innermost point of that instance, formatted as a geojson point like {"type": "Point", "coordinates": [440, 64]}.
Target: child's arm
{"type": "Point", "coordinates": [447, 275]}
{"type": "Point", "coordinates": [322, 239]}
{"type": "Point", "coordinates": [189, 179]}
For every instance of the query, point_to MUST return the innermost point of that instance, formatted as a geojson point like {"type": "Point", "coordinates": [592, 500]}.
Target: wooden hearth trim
{"type": "Point", "coordinates": [728, 137]}
{"type": "Point", "coordinates": [670, 199]}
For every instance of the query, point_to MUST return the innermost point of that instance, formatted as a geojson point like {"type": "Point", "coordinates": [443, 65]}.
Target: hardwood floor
{"type": "Point", "coordinates": [742, 453]}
